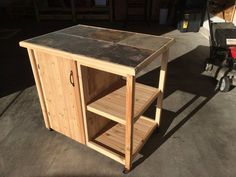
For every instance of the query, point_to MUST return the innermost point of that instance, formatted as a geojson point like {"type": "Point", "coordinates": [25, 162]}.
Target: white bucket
{"type": "Point", "coordinates": [163, 16]}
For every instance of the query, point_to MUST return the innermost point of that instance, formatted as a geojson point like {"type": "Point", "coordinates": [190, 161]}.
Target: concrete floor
{"type": "Point", "coordinates": [197, 136]}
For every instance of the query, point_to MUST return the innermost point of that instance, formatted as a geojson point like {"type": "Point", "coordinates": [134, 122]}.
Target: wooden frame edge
{"type": "Point", "coordinates": [39, 87]}
{"type": "Point", "coordinates": [79, 103]}
{"type": "Point", "coordinates": [83, 60]}
{"type": "Point", "coordinates": [130, 95]}
{"type": "Point", "coordinates": [156, 54]}
{"type": "Point", "coordinates": [106, 152]}
{"type": "Point", "coordinates": [161, 85]}
{"type": "Point", "coordinates": [83, 104]}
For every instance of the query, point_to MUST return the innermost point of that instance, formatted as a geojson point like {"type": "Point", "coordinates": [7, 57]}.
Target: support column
{"type": "Point", "coordinates": [162, 78]}
{"type": "Point", "coordinates": [130, 93]}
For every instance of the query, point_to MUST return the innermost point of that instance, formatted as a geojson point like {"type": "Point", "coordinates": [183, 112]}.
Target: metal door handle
{"type": "Point", "coordinates": [72, 79]}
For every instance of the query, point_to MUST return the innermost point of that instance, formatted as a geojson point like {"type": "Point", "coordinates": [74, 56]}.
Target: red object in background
{"type": "Point", "coordinates": [233, 52]}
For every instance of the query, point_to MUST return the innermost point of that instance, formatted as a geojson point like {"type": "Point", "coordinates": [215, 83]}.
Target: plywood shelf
{"type": "Point", "coordinates": [111, 140]}
{"type": "Point", "coordinates": [112, 106]}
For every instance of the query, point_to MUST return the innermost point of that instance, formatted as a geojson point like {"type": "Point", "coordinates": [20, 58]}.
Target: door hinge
{"type": "Point", "coordinates": [38, 66]}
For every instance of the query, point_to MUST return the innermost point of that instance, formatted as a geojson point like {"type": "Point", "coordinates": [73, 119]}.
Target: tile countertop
{"type": "Point", "coordinates": [114, 46]}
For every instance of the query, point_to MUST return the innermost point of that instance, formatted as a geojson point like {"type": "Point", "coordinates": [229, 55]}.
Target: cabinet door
{"type": "Point", "coordinates": [60, 85]}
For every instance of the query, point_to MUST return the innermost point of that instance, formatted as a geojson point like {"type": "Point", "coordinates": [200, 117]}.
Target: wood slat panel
{"type": "Point", "coordinates": [39, 87]}
{"type": "Point", "coordinates": [112, 137]}
{"type": "Point", "coordinates": [62, 97]}
{"type": "Point", "coordinates": [112, 105]}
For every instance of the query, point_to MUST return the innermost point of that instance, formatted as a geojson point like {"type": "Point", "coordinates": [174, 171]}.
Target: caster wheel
{"type": "Point", "coordinates": [224, 84]}
{"type": "Point", "coordinates": [126, 171]}
{"type": "Point", "coordinates": [156, 131]}
{"type": "Point", "coordinates": [208, 67]}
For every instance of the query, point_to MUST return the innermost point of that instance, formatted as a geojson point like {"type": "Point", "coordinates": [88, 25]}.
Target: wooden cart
{"type": "Point", "coordinates": [85, 77]}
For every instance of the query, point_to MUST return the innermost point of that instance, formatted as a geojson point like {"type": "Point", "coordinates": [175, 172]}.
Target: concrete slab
{"type": "Point", "coordinates": [197, 136]}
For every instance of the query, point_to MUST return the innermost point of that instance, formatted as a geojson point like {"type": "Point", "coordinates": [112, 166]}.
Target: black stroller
{"type": "Point", "coordinates": [222, 62]}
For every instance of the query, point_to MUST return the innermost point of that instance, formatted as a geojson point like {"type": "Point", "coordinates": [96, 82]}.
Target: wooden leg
{"type": "Point", "coordinates": [162, 78]}
{"type": "Point", "coordinates": [83, 101]}
{"type": "Point", "coordinates": [130, 93]}
{"type": "Point", "coordinates": [39, 87]}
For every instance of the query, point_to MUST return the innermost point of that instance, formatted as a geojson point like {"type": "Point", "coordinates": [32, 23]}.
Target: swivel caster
{"type": "Point", "coordinates": [157, 130]}
{"type": "Point", "coordinates": [126, 171]}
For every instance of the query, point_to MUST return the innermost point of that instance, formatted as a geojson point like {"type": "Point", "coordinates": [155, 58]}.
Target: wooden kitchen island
{"type": "Point", "coordinates": [85, 78]}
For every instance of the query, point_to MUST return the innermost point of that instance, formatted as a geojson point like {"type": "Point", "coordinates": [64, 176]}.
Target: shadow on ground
{"type": "Point", "coordinates": [184, 75]}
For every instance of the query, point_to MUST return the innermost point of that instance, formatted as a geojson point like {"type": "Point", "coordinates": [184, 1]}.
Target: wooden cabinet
{"type": "Point", "coordinates": [59, 82]}
{"type": "Point", "coordinates": [86, 80]}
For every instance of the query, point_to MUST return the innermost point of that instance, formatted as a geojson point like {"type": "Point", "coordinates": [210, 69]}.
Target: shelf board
{"type": "Point", "coordinates": [111, 140]}
{"type": "Point", "coordinates": [112, 106]}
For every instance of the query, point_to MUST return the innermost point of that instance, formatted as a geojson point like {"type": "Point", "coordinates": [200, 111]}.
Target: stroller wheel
{"type": "Point", "coordinates": [224, 84]}
{"type": "Point", "coordinates": [208, 67]}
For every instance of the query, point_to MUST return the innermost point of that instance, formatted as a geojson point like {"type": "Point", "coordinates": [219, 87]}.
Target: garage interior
{"type": "Point", "coordinates": [196, 137]}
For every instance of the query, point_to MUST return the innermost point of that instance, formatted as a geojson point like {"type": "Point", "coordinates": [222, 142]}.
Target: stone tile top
{"type": "Point", "coordinates": [118, 47]}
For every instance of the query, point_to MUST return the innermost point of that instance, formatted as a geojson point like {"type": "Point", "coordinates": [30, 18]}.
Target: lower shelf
{"type": "Point", "coordinates": [111, 140]}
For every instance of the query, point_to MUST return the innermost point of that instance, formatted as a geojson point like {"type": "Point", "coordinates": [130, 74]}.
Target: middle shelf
{"type": "Point", "coordinates": [112, 106]}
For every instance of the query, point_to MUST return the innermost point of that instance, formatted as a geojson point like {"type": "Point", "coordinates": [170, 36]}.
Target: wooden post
{"type": "Point", "coordinates": [162, 78]}
{"type": "Point", "coordinates": [39, 87]}
{"type": "Point", "coordinates": [83, 101]}
{"type": "Point", "coordinates": [79, 102]}
{"type": "Point", "coordinates": [130, 93]}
